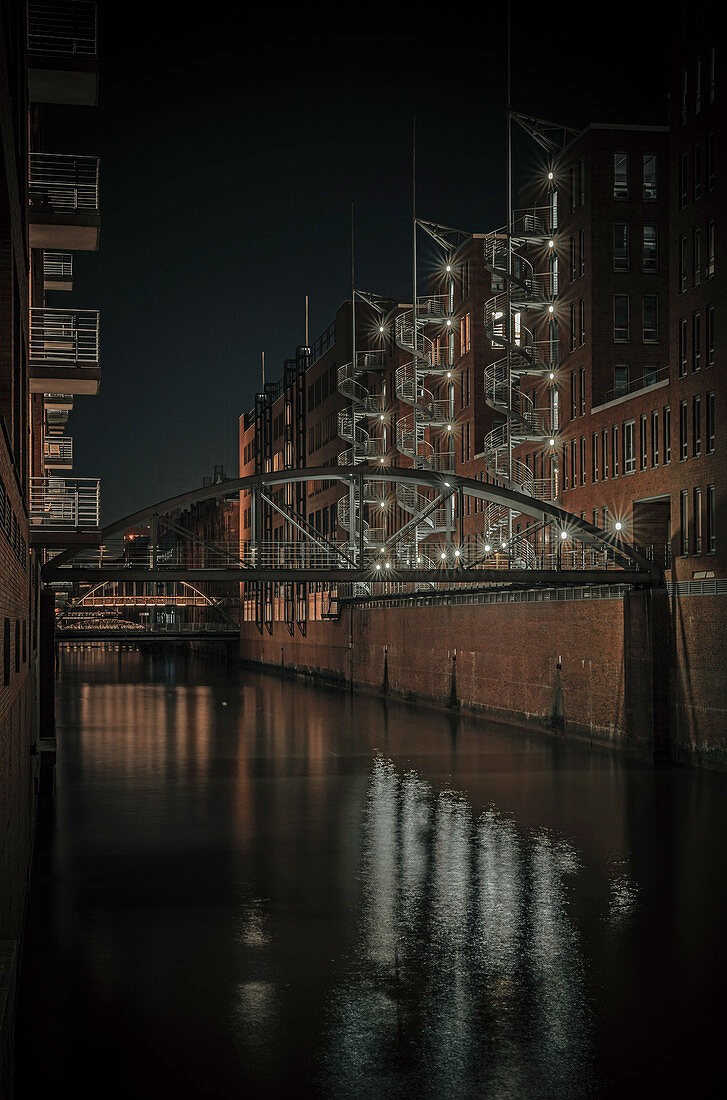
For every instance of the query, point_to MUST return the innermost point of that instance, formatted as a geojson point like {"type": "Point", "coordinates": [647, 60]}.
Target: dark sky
{"type": "Point", "coordinates": [230, 155]}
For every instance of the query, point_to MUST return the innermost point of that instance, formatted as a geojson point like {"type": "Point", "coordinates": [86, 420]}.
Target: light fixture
{"type": "Point", "coordinates": [383, 503]}
{"type": "Point", "coordinates": [381, 416]}
{"type": "Point", "coordinates": [564, 534]}
{"type": "Point", "coordinates": [503, 546]}
{"type": "Point", "coordinates": [551, 376]}
{"type": "Point", "coordinates": [381, 328]}
{"type": "Point", "coordinates": [449, 374]}
{"type": "Point", "coordinates": [550, 309]}
{"type": "Point", "coordinates": [443, 556]}
{"type": "Point", "coordinates": [488, 548]}
{"type": "Point", "coordinates": [449, 322]}
{"type": "Point", "coordinates": [449, 267]}
{"type": "Point", "coordinates": [447, 485]}
{"type": "Point", "coordinates": [388, 565]}
{"type": "Point", "coordinates": [551, 244]}
{"type": "Point", "coordinates": [618, 525]}
{"type": "Point", "coordinates": [550, 175]}
{"type": "Point", "coordinates": [418, 560]}
{"type": "Point", "coordinates": [449, 427]}
{"type": "Point", "coordinates": [551, 442]}
{"type": "Point", "coordinates": [456, 553]}
{"type": "Point", "coordinates": [378, 565]}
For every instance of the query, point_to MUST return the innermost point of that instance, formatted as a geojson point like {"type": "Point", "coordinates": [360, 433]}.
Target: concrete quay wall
{"type": "Point", "coordinates": [636, 673]}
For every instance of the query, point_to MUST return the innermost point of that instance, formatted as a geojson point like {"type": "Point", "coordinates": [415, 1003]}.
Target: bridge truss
{"type": "Point", "coordinates": [553, 548]}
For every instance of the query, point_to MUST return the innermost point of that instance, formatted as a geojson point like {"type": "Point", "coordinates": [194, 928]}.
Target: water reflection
{"type": "Point", "coordinates": [258, 887]}
{"type": "Point", "coordinates": [468, 964]}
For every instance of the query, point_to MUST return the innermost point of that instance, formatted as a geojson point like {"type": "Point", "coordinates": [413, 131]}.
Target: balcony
{"type": "Point", "coordinates": [64, 511]}
{"type": "Point", "coordinates": [62, 53]}
{"type": "Point", "coordinates": [64, 351]}
{"type": "Point", "coordinates": [57, 271]}
{"type": "Point", "coordinates": [58, 452]}
{"type": "Point", "coordinates": [63, 197]}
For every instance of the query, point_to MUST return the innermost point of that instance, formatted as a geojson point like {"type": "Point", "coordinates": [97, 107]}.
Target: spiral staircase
{"type": "Point", "coordinates": [522, 421]}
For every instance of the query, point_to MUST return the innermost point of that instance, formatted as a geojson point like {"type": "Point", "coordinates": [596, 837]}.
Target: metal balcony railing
{"type": "Point", "coordinates": [57, 269]}
{"type": "Point", "coordinates": [64, 336]}
{"type": "Point", "coordinates": [63, 184]}
{"type": "Point", "coordinates": [63, 29]}
{"type": "Point", "coordinates": [58, 451]}
{"type": "Point", "coordinates": [64, 502]}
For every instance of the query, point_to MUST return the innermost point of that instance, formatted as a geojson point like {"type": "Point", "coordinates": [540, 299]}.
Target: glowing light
{"type": "Point", "coordinates": [488, 548]}
{"type": "Point", "coordinates": [418, 560]}
{"type": "Point", "coordinates": [564, 534]}
{"type": "Point", "coordinates": [550, 175]}
{"type": "Point", "coordinates": [449, 374]}
{"type": "Point", "coordinates": [551, 244]}
{"type": "Point", "coordinates": [456, 553]}
{"type": "Point", "coordinates": [503, 546]}
{"type": "Point", "coordinates": [619, 525]}
{"type": "Point", "coordinates": [551, 376]}
{"type": "Point", "coordinates": [381, 328]}
{"type": "Point", "coordinates": [378, 566]}
{"type": "Point", "coordinates": [443, 556]}
{"type": "Point", "coordinates": [381, 417]}
{"type": "Point", "coordinates": [449, 427]}
{"type": "Point", "coordinates": [551, 442]}
{"type": "Point", "coordinates": [388, 565]}
{"type": "Point", "coordinates": [381, 460]}
{"type": "Point", "coordinates": [448, 322]}
{"type": "Point", "coordinates": [383, 503]}
{"type": "Point", "coordinates": [449, 267]}
{"type": "Point", "coordinates": [447, 485]}
{"type": "Point", "coordinates": [550, 309]}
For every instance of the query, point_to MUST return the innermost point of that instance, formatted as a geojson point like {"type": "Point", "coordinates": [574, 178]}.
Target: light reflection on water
{"type": "Point", "coordinates": [467, 958]}
{"type": "Point", "coordinates": [254, 886]}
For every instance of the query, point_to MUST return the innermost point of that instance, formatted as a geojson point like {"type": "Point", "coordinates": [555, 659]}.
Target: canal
{"type": "Point", "coordinates": [253, 886]}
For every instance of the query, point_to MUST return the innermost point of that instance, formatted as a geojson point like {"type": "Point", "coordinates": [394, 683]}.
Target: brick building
{"type": "Point", "coordinates": [48, 355]}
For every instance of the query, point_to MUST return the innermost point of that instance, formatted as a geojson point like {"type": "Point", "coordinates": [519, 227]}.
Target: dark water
{"type": "Point", "coordinates": [254, 887]}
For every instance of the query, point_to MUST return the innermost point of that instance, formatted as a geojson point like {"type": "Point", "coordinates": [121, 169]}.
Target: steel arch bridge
{"type": "Point", "coordinates": [556, 548]}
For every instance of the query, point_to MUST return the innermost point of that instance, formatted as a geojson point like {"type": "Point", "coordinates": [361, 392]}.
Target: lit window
{"type": "Point", "coordinates": [650, 174]}
{"type": "Point", "coordinates": [629, 442]}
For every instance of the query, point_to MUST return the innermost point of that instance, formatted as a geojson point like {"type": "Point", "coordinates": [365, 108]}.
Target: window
{"type": "Point", "coordinates": [655, 438]}
{"type": "Point", "coordinates": [682, 347]}
{"type": "Point", "coordinates": [683, 449]}
{"type": "Point", "coordinates": [594, 457]}
{"type": "Point", "coordinates": [583, 460]}
{"type": "Point", "coordinates": [553, 210]}
{"type": "Point", "coordinates": [696, 170]}
{"type": "Point", "coordinates": [650, 255]}
{"type": "Point", "coordinates": [573, 395]}
{"type": "Point", "coordinates": [698, 86]}
{"type": "Point", "coordinates": [620, 247]}
{"type": "Point", "coordinates": [650, 172]}
{"type": "Point", "coordinates": [666, 431]}
{"type": "Point", "coordinates": [650, 318]}
{"type": "Point", "coordinates": [614, 450]}
{"type": "Point", "coordinates": [465, 334]}
{"type": "Point", "coordinates": [582, 179]}
{"type": "Point", "coordinates": [683, 180]}
{"type": "Point", "coordinates": [696, 257]}
{"type": "Point", "coordinates": [553, 267]}
{"type": "Point", "coordinates": [697, 507]}
{"type": "Point", "coordinates": [696, 340]}
{"type": "Point", "coordinates": [572, 257]}
{"type": "Point", "coordinates": [696, 426]}
{"type": "Point", "coordinates": [711, 519]}
{"type": "Point", "coordinates": [573, 187]}
{"type": "Point", "coordinates": [582, 321]}
{"type": "Point", "coordinates": [583, 391]}
{"type": "Point", "coordinates": [574, 464]}
{"type": "Point", "coordinates": [465, 278]}
{"type": "Point", "coordinates": [6, 652]}
{"type": "Point", "coordinates": [643, 441]}
{"type": "Point", "coordinates": [554, 409]}
{"type": "Point", "coordinates": [651, 374]}
{"type": "Point", "coordinates": [573, 330]}
{"type": "Point", "coordinates": [709, 269]}
{"type": "Point", "coordinates": [620, 317]}
{"type": "Point", "coordinates": [684, 521]}
{"type": "Point", "coordinates": [710, 336]}
{"type": "Point", "coordinates": [682, 263]}
{"type": "Point", "coordinates": [565, 466]}
{"type": "Point", "coordinates": [604, 452]}
{"type": "Point", "coordinates": [711, 75]}
{"type": "Point", "coordinates": [710, 422]}
{"type": "Point", "coordinates": [685, 91]}
{"type": "Point", "coordinates": [629, 447]}
{"type": "Point", "coordinates": [710, 162]}
{"type": "Point", "coordinates": [581, 251]}
{"type": "Point", "coordinates": [621, 379]}
{"type": "Point", "coordinates": [553, 342]}
{"type": "Point", "coordinates": [620, 175]}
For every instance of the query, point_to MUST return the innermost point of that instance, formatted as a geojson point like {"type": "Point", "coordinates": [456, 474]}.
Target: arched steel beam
{"type": "Point", "coordinates": [520, 503]}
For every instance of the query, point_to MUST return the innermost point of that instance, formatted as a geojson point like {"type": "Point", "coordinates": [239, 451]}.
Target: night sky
{"type": "Point", "coordinates": [230, 155]}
